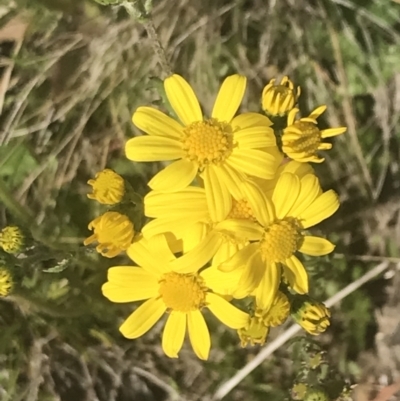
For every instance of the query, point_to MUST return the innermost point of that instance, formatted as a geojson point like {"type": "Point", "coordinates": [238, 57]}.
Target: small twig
{"type": "Point", "coordinates": [140, 12]}
{"type": "Point", "coordinates": [157, 46]}
{"type": "Point", "coordinates": [173, 395]}
{"type": "Point", "coordinates": [226, 387]}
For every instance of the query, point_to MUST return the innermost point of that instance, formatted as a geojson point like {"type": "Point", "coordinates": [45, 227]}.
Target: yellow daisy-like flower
{"type": "Point", "coordinates": [255, 332]}
{"type": "Point", "coordinates": [108, 187]}
{"type": "Point", "coordinates": [6, 281]}
{"type": "Point", "coordinates": [173, 286]}
{"type": "Point", "coordinates": [277, 313]}
{"type": "Point", "coordinates": [185, 214]}
{"type": "Point", "coordinates": [278, 100]}
{"type": "Point", "coordinates": [223, 148]}
{"type": "Point", "coordinates": [113, 231]}
{"type": "Point", "coordinates": [302, 139]}
{"type": "Point", "coordinates": [12, 239]}
{"type": "Point", "coordinates": [311, 315]}
{"type": "Point", "coordinates": [278, 234]}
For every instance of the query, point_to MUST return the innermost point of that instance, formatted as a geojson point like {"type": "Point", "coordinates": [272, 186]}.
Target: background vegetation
{"type": "Point", "coordinates": [81, 71]}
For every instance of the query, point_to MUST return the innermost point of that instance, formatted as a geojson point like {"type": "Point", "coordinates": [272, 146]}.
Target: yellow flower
{"type": "Point", "coordinates": [278, 100]}
{"type": "Point", "coordinates": [185, 213]}
{"type": "Point", "coordinates": [108, 187]}
{"type": "Point", "coordinates": [311, 315]}
{"type": "Point", "coordinates": [222, 149]}
{"type": "Point", "coordinates": [113, 231]}
{"type": "Point", "coordinates": [12, 239]}
{"type": "Point", "coordinates": [255, 332]}
{"type": "Point", "coordinates": [277, 313]}
{"type": "Point", "coordinates": [316, 394]}
{"type": "Point", "coordinates": [298, 391]}
{"type": "Point", "coordinates": [302, 138]}
{"type": "Point", "coordinates": [278, 234]}
{"type": "Point", "coordinates": [6, 281]}
{"type": "Point", "coordinates": [173, 286]}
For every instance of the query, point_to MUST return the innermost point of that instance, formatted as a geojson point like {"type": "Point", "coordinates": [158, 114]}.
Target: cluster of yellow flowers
{"type": "Point", "coordinates": [228, 217]}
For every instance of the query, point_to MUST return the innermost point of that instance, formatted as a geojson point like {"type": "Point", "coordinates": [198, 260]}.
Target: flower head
{"type": "Point", "coordinates": [108, 187]}
{"type": "Point", "coordinates": [311, 315]}
{"type": "Point", "coordinates": [255, 332]}
{"type": "Point", "coordinates": [169, 285]}
{"type": "Point", "coordinates": [278, 312]}
{"type": "Point", "coordinates": [113, 231]}
{"type": "Point", "coordinates": [299, 391]}
{"type": "Point", "coordinates": [6, 281]}
{"type": "Point", "coordinates": [302, 139]}
{"type": "Point", "coordinates": [12, 239]}
{"type": "Point", "coordinates": [222, 149]}
{"type": "Point", "coordinates": [278, 100]}
{"type": "Point", "coordinates": [279, 233]}
{"type": "Point", "coordinates": [316, 394]}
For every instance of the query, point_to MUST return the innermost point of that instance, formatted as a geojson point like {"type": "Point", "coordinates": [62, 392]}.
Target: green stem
{"type": "Point", "coordinates": [140, 12]}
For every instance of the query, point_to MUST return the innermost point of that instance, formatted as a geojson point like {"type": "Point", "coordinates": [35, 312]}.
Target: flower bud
{"type": "Point", "coordinates": [6, 281]}
{"type": "Point", "coordinates": [12, 239]}
{"type": "Point", "coordinates": [108, 187]}
{"type": "Point", "coordinates": [311, 315]}
{"type": "Point", "coordinates": [113, 231]}
{"type": "Point", "coordinates": [278, 100]}
{"type": "Point", "coordinates": [256, 332]}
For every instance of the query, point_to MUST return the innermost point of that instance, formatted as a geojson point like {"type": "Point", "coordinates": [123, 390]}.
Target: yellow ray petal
{"type": "Point", "coordinates": [219, 200]}
{"type": "Point", "coordinates": [153, 148]}
{"type": "Point", "coordinates": [255, 137]}
{"type": "Point", "coordinates": [143, 319]}
{"type": "Point", "coordinates": [128, 284]}
{"type": "Point", "coordinates": [296, 275]}
{"type": "Point", "coordinates": [252, 276]}
{"type": "Point", "coordinates": [295, 167]}
{"type": "Point", "coordinates": [185, 202]}
{"type": "Point", "coordinates": [244, 229]}
{"type": "Point", "coordinates": [231, 178]}
{"type": "Point", "coordinates": [316, 246]}
{"type": "Point", "coordinates": [220, 282]}
{"type": "Point", "coordinates": [239, 259]}
{"type": "Point", "coordinates": [142, 254]}
{"type": "Point", "coordinates": [154, 122]}
{"type": "Point", "coordinates": [229, 98]}
{"type": "Point", "coordinates": [254, 162]}
{"type": "Point", "coordinates": [195, 259]}
{"type": "Point", "coordinates": [225, 252]}
{"type": "Point", "coordinates": [174, 177]}
{"type": "Point", "coordinates": [183, 99]}
{"type": "Point", "coordinates": [322, 208]}
{"type": "Point", "coordinates": [317, 112]}
{"type": "Point", "coordinates": [164, 225]}
{"type": "Point", "coordinates": [326, 133]}
{"type": "Point", "coordinates": [261, 206]}
{"type": "Point", "coordinates": [228, 314]}
{"type": "Point", "coordinates": [158, 245]}
{"type": "Point", "coordinates": [285, 194]}
{"type": "Point", "coordinates": [199, 334]}
{"type": "Point", "coordinates": [193, 235]}
{"type": "Point", "coordinates": [310, 190]}
{"type": "Point", "coordinates": [250, 120]}
{"type": "Point", "coordinates": [174, 334]}
{"type": "Point", "coordinates": [268, 287]}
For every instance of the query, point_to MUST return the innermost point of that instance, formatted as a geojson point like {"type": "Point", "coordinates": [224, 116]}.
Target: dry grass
{"type": "Point", "coordinates": [81, 72]}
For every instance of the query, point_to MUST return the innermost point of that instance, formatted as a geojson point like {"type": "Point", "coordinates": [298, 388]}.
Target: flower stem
{"type": "Point", "coordinates": [141, 12]}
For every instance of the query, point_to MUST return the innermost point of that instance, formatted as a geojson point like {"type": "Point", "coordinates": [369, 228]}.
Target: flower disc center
{"type": "Point", "coordinates": [182, 292]}
{"type": "Point", "coordinates": [281, 239]}
{"type": "Point", "coordinates": [241, 210]}
{"type": "Point", "coordinates": [207, 142]}
{"type": "Point", "coordinates": [310, 137]}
